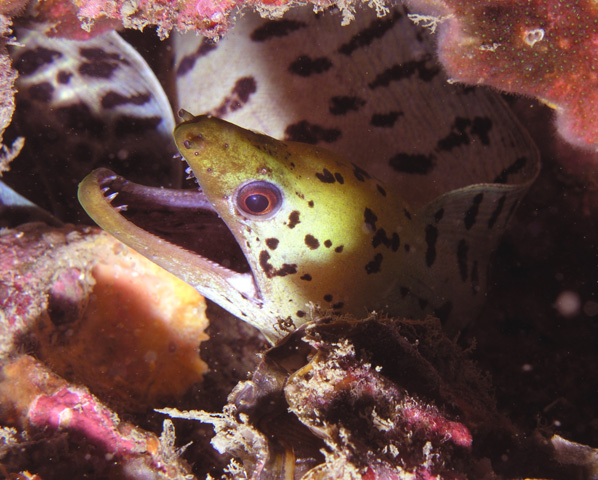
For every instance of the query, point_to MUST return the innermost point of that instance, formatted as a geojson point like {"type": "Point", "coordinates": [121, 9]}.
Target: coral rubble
{"type": "Point", "coordinates": [372, 399]}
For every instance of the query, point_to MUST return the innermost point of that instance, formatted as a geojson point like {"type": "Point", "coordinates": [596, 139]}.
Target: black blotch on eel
{"type": "Point", "coordinates": [380, 238]}
{"type": "Point", "coordinates": [375, 264]}
{"type": "Point", "coordinates": [305, 66]}
{"type": "Point", "coordinates": [385, 120]}
{"type": "Point", "coordinates": [462, 251]}
{"type": "Point", "coordinates": [360, 173]}
{"type": "Point", "coordinates": [270, 271]}
{"type": "Point", "coordinates": [276, 29]}
{"type": "Point", "coordinates": [431, 237]}
{"type": "Point", "coordinates": [424, 68]}
{"type": "Point", "coordinates": [311, 242]}
{"type": "Point", "coordinates": [443, 312]}
{"type": "Point", "coordinates": [293, 219]}
{"type": "Point", "coordinates": [517, 166]}
{"type": "Point", "coordinates": [457, 136]}
{"type": "Point", "coordinates": [479, 127]}
{"type": "Point", "coordinates": [306, 132]}
{"type": "Point", "coordinates": [63, 77]}
{"type": "Point", "coordinates": [370, 219]}
{"type": "Point", "coordinates": [188, 61]}
{"type": "Point", "coordinates": [112, 99]}
{"type": "Point", "coordinates": [376, 29]}
{"type": "Point", "coordinates": [326, 176]}
{"type": "Point", "coordinates": [341, 105]}
{"type": "Point", "coordinates": [272, 243]}
{"type": "Point", "coordinates": [240, 93]}
{"type": "Point", "coordinates": [497, 211]}
{"type": "Point", "coordinates": [438, 215]}
{"type": "Point", "coordinates": [99, 63]}
{"type": "Point", "coordinates": [31, 60]}
{"type": "Point", "coordinates": [472, 212]}
{"type": "Point", "coordinates": [417, 164]}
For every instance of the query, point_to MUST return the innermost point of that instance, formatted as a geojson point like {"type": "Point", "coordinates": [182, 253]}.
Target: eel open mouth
{"type": "Point", "coordinates": [176, 229]}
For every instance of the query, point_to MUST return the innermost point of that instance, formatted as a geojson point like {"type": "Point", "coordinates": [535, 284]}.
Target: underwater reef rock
{"type": "Point", "coordinates": [99, 314]}
{"type": "Point", "coordinates": [81, 435]}
{"type": "Point", "coordinates": [373, 399]}
{"type": "Point", "coordinates": [89, 327]}
{"type": "Point", "coordinates": [90, 331]}
{"type": "Point", "coordinates": [7, 98]}
{"type": "Point", "coordinates": [544, 49]}
{"type": "Point", "coordinates": [83, 19]}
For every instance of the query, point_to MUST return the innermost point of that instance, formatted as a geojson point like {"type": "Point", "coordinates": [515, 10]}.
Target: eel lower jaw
{"type": "Point", "coordinates": [98, 193]}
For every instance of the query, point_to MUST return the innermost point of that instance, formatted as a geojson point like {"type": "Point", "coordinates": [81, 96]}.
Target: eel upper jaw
{"type": "Point", "coordinates": [100, 188]}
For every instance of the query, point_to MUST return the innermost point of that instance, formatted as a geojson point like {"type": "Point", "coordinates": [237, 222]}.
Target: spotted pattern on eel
{"type": "Point", "coordinates": [318, 228]}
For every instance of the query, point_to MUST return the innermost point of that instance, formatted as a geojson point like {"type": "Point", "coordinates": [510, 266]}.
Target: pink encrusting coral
{"type": "Point", "coordinates": [82, 19]}
{"type": "Point", "coordinates": [75, 409]}
{"type": "Point", "coordinates": [48, 407]}
{"type": "Point", "coordinates": [545, 49]}
{"type": "Point", "coordinates": [432, 421]}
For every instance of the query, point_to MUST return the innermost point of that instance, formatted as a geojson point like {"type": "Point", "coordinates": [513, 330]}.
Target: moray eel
{"type": "Point", "coordinates": [319, 233]}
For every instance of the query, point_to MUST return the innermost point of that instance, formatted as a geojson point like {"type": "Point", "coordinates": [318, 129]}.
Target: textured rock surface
{"type": "Point", "coordinates": [100, 314]}
{"type": "Point", "coordinates": [544, 49]}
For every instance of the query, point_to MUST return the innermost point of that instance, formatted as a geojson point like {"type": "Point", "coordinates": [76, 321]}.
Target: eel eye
{"type": "Point", "coordinates": [259, 199]}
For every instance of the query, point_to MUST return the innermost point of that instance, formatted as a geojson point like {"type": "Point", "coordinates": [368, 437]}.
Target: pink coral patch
{"type": "Point", "coordinates": [433, 422]}
{"type": "Point", "coordinates": [77, 411]}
